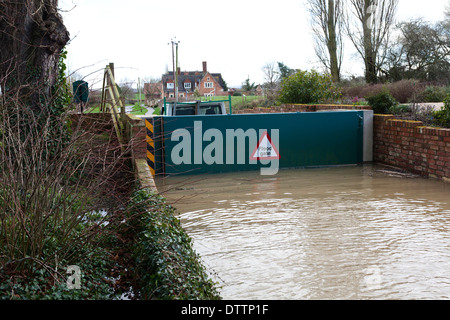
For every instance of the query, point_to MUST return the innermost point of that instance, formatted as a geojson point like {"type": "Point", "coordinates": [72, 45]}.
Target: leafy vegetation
{"type": "Point", "coordinates": [308, 87]}
{"type": "Point", "coordinates": [248, 86]}
{"type": "Point", "coordinates": [433, 94]}
{"type": "Point", "coordinates": [166, 266]}
{"type": "Point", "coordinates": [381, 102]}
{"type": "Point", "coordinates": [442, 117]}
{"type": "Point", "coordinates": [48, 281]}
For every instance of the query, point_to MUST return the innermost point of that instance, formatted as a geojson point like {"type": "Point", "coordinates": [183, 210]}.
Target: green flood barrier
{"type": "Point", "coordinates": [200, 144]}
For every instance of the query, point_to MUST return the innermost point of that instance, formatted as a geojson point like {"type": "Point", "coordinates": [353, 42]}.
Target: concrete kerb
{"type": "Point", "coordinates": [144, 175]}
{"type": "Point", "coordinates": [136, 132]}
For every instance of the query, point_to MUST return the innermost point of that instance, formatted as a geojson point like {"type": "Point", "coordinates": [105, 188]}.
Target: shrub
{"type": "Point", "coordinates": [361, 90]}
{"type": "Point", "coordinates": [308, 87]}
{"type": "Point", "coordinates": [442, 117]}
{"type": "Point", "coordinates": [47, 282]}
{"type": "Point", "coordinates": [381, 102]}
{"type": "Point", "coordinates": [399, 109]}
{"type": "Point", "coordinates": [433, 94]}
{"type": "Point", "coordinates": [405, 90]}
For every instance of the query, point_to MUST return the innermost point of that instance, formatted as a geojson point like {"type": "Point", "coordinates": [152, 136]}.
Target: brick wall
{"type": "Point", "coordinates": [412, 146]}
{"type": "Point", "coordinates": [97, 121]}
{"type": "Point", "coordinates": [136, 135]}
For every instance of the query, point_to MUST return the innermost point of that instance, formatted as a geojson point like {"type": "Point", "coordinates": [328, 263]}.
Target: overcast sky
{"type": "Point", "coordinates": [235, 37]}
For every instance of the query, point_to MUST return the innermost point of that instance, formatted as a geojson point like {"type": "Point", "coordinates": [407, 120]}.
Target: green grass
{"type": "Point", "coordinates": [136, 96]}
{"type": "Point", "coordinates": [235, 100]}
{"type": "Point", "coordinates": [93, 109]}
{"type": "Point", "coordinates": [137, 110]}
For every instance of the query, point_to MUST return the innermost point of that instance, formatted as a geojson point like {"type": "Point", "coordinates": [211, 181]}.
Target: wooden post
{"type": "Point", "coordinates": [104, 88]}
{"type": "Point", "coordinates": [111, 67]}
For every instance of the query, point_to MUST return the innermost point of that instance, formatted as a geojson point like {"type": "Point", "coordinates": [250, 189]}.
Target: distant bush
{"type": "Point", "coordinates": [405, 91]}
{"type": "Point", "coordinates": [381, 102]}
{"type": "Point", "coordinates": [308, 87]}
{"type": "Point", "coordinates": [360, 90]}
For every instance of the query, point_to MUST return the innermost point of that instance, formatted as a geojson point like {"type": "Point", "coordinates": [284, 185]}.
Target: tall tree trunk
{"type": "Point", "coordinates": [332, 43]}
{"type": "Point", "coordinates": [326, 23]}
{"type": "Point", "coordinates": [369, 53]}
{"type": "Point", "coordinates": [32, 35]}
{"type": "Point", "coordinates": [370, 34]}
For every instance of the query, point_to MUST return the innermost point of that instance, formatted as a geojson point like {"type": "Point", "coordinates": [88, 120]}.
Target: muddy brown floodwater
{"type": "Point", "coordinates": [360, 232]}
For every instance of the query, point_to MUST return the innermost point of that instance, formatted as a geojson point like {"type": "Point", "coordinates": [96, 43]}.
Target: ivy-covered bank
{"type": "Point", "coordinates": [166, 266]}
{"type": "Point", "coordinates": [149, 256]}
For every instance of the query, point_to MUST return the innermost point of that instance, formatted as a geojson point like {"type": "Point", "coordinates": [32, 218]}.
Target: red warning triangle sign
{"type": "Point", "coordinates": [265, 149]}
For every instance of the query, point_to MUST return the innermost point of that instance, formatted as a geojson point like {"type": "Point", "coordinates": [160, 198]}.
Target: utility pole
{"type": "Point", "coordinates": [139, 91]}
{"type": "Point", "coordinates": [175, 67]}
{"type": "Point", "coordinates": [176, 77]}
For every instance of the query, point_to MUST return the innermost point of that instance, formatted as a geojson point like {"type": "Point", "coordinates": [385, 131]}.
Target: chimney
{"type": "Point", "coordinates": [205, 69]}
{"type": "Point", "coordinates": [179, 70]}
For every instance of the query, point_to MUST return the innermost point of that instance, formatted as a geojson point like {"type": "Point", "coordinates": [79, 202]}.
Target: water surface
{"type": "Point", "coordinates": [360, 232]}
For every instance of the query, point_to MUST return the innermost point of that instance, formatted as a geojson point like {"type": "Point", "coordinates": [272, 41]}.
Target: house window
{"type": "Point", "coordinates": [208, 84]}
{"type": "Point", "coordinates": [170, 85]}
{"type": "Point", "coordinates": [187, 85]}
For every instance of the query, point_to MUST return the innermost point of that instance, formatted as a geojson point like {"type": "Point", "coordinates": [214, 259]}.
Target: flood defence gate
{"type": "Point", "coordinates": [267, 142]}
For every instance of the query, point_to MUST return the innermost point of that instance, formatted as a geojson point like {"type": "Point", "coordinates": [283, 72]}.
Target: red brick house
{"type": "Point", "coordinates": [203, 82]}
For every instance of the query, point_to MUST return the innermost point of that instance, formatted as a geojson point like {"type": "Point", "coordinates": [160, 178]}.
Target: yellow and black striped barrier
{"type": "Point", "coordinates": [150, 145]}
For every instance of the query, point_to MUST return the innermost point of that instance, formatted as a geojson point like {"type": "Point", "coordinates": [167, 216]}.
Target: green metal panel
{"type": "Point", "coordinates": [304, 140]}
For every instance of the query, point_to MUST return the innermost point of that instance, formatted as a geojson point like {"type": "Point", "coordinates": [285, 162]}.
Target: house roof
{"type": "Point", "coordinates": [191, 76]}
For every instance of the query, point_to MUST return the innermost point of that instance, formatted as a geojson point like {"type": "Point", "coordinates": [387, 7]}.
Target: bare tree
{"type": "Point", "coordinates": [370, 32]}
{"type": "Point", "coordinates": [271, 76]}
{"type": "Point", "coordinates": [126, 89]}
{"type": "Point", "coordinates": [327, 26]}
{"type": "Point", "coordinates": [153, 89]}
